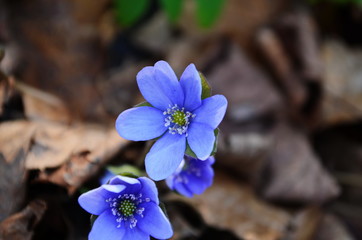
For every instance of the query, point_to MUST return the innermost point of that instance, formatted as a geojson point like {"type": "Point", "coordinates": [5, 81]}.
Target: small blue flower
{"type": "Point", "coordinates": [193, 176]}
{"type": "Point", "coordinates": [128, 209]}
{"type": "Point", "coordinates": [177, 115]}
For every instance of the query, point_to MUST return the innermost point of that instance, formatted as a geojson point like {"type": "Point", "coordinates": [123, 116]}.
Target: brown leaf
{"type": "Point", "coordinates": [15, 139]}
{"type": "Point", "coordinates": [342, 82]}
{"type": "Point", "coordinates": [2, 53]}
{"type": "Point", "coordinates": [312, 223]}
{"type": "Point", "coordinates": [42, 106]}
{"type": "Point", "coordinates": [254, 105]}
{"type": "Point", "coordinates": [231, 205]}
{"type": "Point", "coordinates": [11, 103]}
{"type": "Point", "coordinates": [304, 224]}
{"type": "Point", "coordinates": [54, 144]}
{"type": "Point", "coordinates": [15, 135]}
{"type": "Point", "coordinates": [119, 90]}
{"type": "Point", "coordinates": [79, 151]}
{"type": "Point", "coordinates": [249, 91]}
{"type": "Point", "coordinates": [20, 226]}
{"type": "Point", "coordinates": [286, 76]}
{"type": "Point", "coordinates": [290, 46]}
{"type": "Point", "coordinates": [83, 150]}
{"type": "Point", "coordinates": [60, 53]}
{"type": "Point", "coordinates": [331, 228]}
{"type": "Point", "coordinates": [294, 173]}
{"type": "Point", "coordinates": [298, 32]}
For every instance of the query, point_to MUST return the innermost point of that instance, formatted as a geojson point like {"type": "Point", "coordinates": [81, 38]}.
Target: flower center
{"type": "Point", "coordinates": [125, 207]}
{"type": "Point", "coordinates": [177, 119]}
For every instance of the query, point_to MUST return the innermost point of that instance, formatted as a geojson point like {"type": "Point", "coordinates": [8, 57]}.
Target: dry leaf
{"type": "Point", "coordinates": [331, 228]}
{"type": "Point", "coordinates": [15, 139]}
{"type": "Point", "coordinates": [42, 106]}
{"type": "Point", "coordinates": [254, 105]}
{"type": "Point", "coordinates": [60, 53]}
{"type": "Point", "coordinates": [342, 83]}
{"type": "Point", "coordinates": [231, 205]}
{"type": "Point", "coordinates": [87, 149]}
{"type": "Point", "coordinates": [304, 224]}
{"type": "Point", "coordinates": [294, 172]}
{"type": "Point", "coordinates": [20, 226]}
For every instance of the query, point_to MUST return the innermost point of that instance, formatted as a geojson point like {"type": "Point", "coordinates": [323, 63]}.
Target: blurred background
{"type": "Point", "coordinates": [289, 160]}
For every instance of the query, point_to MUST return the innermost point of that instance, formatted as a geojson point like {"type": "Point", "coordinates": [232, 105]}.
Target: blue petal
{"type": "Point", "coordinates": [151, 89]}
{"type": "Point", "coordinates": [94, 201]}
{"type": "Point", "coordinates": [154, 222]}
{"type": "Point", "coordinates": [165, 156]}
{"type": "Point", "coordinates": [191, 84]}
{"type": "Point", "coordinates": [132, 185]}
{"type": "Point", "coordinates": [149, 189]}
{"type": "Point", "coordinates": [212, 111]}
{"type": "Point", "coordinates": [198, 184]}
{"type": "Point", "coordinates": [201, 139]}
{"type": "Point", "coordinates": [116, 180]}
{"type": "Point", "coordinates": [166, 69]}
{"type": "Point", "coordinates": [159, 86]}
{"type": "Point", "coordinates": [182, 189]}
{"type": "Point", "coordinates": [134, 234]}
{"type": "Point", "coordinates": [113, 188]}
{"type": "Point", "coordinates": [141, 123]}
{"type": "Point", "coordinates": [207, 175]}
{"type": "Point", "coordinates": [170, 182]}
{"type": "Point", "coordinates": [105, 228]}
{"type": "Point", "coordinates": [171, 87]}
{"type": "Point", "coordinates": [211, 160]}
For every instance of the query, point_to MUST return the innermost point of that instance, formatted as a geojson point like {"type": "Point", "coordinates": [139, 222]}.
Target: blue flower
{"type": "Point", "coordinates": [128, 209]}
{"type": "Point", "coordinates": [193, 176]}
{"type": "Point", "coordinates": [177, 116]}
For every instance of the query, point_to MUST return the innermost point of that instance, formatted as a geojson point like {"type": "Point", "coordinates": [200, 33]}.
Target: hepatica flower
{"type": "Point", "coordinates": [128, 209]}
{"type": "Point", "coordinates": [176, 115]}
{"type": "Point", "coordinates": [193, 176]}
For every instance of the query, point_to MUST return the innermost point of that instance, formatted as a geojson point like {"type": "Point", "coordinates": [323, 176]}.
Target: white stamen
{"type": "Point", "coordinates": [114, 204]}
{"type": "Point", "coordinates": [174, 126]}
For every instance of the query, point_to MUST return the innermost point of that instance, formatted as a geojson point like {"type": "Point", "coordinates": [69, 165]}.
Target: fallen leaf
{"type": "Point", "coordinates": [62, 61]}
{"type": "Point", "coordinates": [231, 205]}
{"type": "Point", "coordinates": [15, 135]}
{"type": "Point", "coordinates": [342, 82]}
{"type": "Point", "coordinates": [93, 147]}
{"type": "Point", "coordinates": [15, 138]}
{"type": "Point", "coordinates": [304, 224]}
{"type": "Point", "coordinates": [20, 226]}
{"type": "Point", "coordinates": [42, 106]}
{"type": "Point", "coordinates": [11, 102]}
{"type": "Point", "coordinates": [254, 105]}
{"type": "Point", "coordinates": [294, 173]}
{"type": "Point", "coordinates": [332, 228]}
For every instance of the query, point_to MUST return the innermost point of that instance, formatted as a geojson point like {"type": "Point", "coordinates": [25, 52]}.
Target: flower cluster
{"type": "Point", "coordinates": [128, 209]}
{"type": "Point", "coordinates": [193, 176]}
{"type": "Point", "coordinates": [176, 114]}
{"type": "Point", "coordinates": [182, 118]}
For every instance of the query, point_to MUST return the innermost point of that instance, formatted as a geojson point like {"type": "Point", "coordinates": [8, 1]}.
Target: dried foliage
{"type": "Point", "coordinates": [288, 164]}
